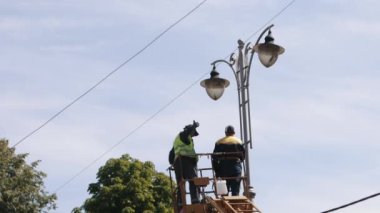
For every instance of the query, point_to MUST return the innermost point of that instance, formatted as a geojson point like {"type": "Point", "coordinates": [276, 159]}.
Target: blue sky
{"type": "Point", "coordinates": [315, 113]}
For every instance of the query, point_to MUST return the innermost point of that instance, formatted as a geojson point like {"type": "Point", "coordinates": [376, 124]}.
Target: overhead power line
{"type": "Point", "coordinates": [111, 73]}
{"type": "Point", "coordinates": [352, 203]}
{"type": "Point", "coordinates": [131, 133]}
{"type": "Point", "coordinates": [270, 20]}
{"type": "Point", "coordinates": [266, 24]}
{"type": "Point", "coordinates": [152, 116]}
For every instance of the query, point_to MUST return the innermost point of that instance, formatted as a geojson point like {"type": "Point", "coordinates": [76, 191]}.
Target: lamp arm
{"type": "Point", "coordinates": [230, 64]}
{"type": "Point", "coordinates": [253, 51]}
{"type": "Point", "coordinates": [221, 60]}
{"type": "Point", "coordinates": [264, 31]}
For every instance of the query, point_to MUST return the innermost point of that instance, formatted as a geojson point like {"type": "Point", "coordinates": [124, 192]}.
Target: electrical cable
{"type": "Point", "coordinates": [147, 120]}
{"type": "Point", "coordinates": [270, 20]}
{"type": "Point", "coordinates": [132, 132]}
{"type": "Point", "coordinates": [111, 73]}
{"type": "Point", "coordinates": [352, 203]}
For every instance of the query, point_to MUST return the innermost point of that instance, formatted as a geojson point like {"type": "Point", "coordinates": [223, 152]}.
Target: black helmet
{"type": "Point", "coordinates": [230, 129]}
{"type": "Point", "coordinates": [192, 128]}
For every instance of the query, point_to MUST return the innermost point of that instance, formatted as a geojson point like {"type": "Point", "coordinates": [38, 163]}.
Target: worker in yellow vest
{"type": "Point", "coordinates": [185, 161]}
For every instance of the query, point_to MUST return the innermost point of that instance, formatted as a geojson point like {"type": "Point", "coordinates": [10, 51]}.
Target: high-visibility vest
{"type": "Point", "coordinates": [180, 148]}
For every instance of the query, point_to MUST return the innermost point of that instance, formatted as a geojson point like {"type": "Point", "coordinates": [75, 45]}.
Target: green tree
{"type": "Point", "coordinates": [22, 188]}
{"type": "Point", "coordinates": [127, 185]}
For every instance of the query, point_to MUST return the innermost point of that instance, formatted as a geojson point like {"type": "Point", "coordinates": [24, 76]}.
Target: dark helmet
{"type": "Point", "coordinates": [192, 128]}
{"type": "Point", "coordinates": [230, 129]}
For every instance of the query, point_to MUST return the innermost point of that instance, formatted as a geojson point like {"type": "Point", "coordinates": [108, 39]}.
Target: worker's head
{"type": "Point", "coordinates": [191, 129]}
{"type": "Point", "coordinates": [230, 130]}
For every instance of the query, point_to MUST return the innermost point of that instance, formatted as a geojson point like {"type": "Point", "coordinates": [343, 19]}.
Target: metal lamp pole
{"type": "Point", "coordinates": [241, 66]}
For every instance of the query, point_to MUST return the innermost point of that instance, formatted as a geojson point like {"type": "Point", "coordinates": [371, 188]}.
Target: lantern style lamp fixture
{"type": "Point", "coordinates": [215, 85]}
{"type": "Point", "coordinates": [268, 53]}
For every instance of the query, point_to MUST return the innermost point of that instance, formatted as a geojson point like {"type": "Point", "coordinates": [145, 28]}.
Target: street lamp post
{"type": "Point", "coordinates": [241, 65]}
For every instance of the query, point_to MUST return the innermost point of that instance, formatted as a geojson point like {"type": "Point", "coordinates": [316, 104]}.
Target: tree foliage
{"type": "Point", "coordinates": [127, 185]}
{"type": "Point", "coordinates": [21, 185]}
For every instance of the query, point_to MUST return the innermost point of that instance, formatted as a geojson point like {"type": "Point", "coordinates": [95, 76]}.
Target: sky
{"type": "Point", "coordinates": [315, 113]}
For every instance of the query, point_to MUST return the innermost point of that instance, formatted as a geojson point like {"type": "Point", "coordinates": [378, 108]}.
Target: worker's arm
{"type": "Point", "coordinates": [242, 150]}
{"type": "Point", "coordinates": [215, 161]}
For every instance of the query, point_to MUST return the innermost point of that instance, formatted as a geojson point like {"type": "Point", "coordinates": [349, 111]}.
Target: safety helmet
{"type": "Point", "coordinates": [192, 128]}
{"type": "Point", "coordinates": [230, 129]}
